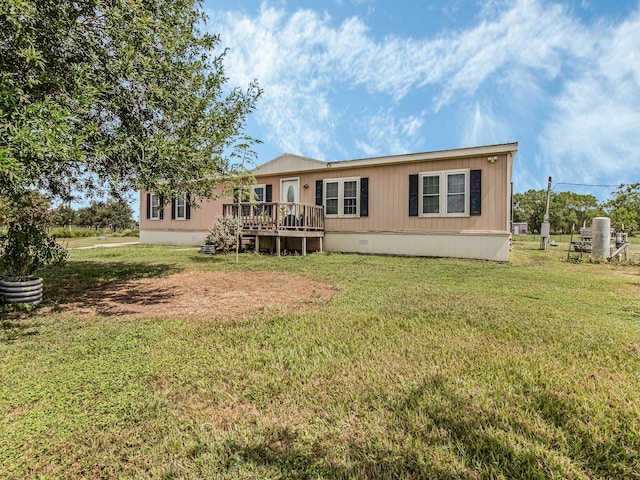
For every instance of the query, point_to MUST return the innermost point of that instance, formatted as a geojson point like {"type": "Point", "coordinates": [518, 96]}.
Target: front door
{"type": "Point", "coordinates": [290, 193]}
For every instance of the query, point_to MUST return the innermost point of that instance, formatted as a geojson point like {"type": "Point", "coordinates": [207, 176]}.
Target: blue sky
{"type": "Point", "coordinates": [348, 79]}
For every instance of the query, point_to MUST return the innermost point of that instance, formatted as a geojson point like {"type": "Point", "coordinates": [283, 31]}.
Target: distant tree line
{"type": "Point", "coordinates": [113, 214]}
{"type": "Point", "coordinates": [567, 209]}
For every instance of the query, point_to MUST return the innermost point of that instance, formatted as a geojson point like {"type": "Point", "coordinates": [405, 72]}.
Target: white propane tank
{"type": "Point", "coordinates": [601, 247]}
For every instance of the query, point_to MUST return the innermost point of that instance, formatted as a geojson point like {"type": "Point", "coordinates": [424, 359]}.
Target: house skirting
{"type": "Point", "coordinates": [173, 237]}
{"type": "Point", "coordinates": [483, 246]}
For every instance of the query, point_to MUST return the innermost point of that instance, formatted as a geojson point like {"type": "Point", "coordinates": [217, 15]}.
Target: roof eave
{"type": "Point", "coordinates": [313, 165]}
{"type": "Point", "coordinates": [488, 150]}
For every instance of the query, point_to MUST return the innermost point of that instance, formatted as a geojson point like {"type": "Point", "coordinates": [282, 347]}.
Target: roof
{"type": "Point", "coordinates": [289, 163]}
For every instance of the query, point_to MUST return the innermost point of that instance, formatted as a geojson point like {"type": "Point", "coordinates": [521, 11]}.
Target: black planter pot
{"type": "Point", "coordinates": [27, 291]}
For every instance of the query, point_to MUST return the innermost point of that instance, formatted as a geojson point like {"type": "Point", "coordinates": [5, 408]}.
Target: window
{"type": "Point", "coordinates": [180, 208]}
{"type": "Point", "coordinates": [444, 193]}
{"type": "Point", "coordinates": [456, 193]}
{"type": "Point", "coordinates": [350, 197]}
{"type": "Point", "coordinates": [342, 197]}
{"type": "Point", "coordinates": [431, 195]}
{"type": "Point", "coordinates": [331, 206]}
{"type": "Point", "coordinates": [155, 207]}
{"type": "Point", "coordinates": [259, 191]}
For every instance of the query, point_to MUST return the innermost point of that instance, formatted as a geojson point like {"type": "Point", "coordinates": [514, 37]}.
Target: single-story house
{"type": "Point", "coordinates": [449, 203]}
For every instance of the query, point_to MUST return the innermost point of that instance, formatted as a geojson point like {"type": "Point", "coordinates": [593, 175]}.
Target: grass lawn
{"type": "Point", "coordinates": [416, 368]}
{"type": "Point", "coordinates": [91, 241]}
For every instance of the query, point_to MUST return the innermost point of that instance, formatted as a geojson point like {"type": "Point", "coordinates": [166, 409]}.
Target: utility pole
{"type": "Point", "coordinates": [545, 227]}
{"type": "Point", "coordinates": [69, 199]}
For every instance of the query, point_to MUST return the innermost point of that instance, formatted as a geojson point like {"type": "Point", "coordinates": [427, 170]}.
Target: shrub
{"type": "Point", "coordinates": [25, 246]}
{"type": "Point", "coordinates": [66, 233]}
{"type": "Point", "coordinates": [224, 234]}
{"type": "Point", "coordinates": [127, 233]}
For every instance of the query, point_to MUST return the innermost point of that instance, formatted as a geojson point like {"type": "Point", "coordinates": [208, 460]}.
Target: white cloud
{"type": "Point", "coordinates": [410, 126]}
{"type": "Point", "coordinates": [506, 60]}
{"type": "Point", "coordinates": [283, 54]}
{"type": "Point", "coordinates": [483, 127]}
{"type": "Point", "coordinates": [592, 133]}
{"type": "Point", "coordinates": [531, 36]}
{"type": "Point", "coordinates": [385, 133]}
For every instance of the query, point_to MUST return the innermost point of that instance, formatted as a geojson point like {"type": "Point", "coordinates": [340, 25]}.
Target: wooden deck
{"type": "Point", "coordinates": [279, 220]}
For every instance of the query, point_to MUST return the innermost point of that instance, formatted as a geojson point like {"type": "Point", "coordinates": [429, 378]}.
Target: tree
{"type": "Point", "coordinates": [88, 216]}
{"type": "Point", "coordinates": [25, 246]}
{"type": "Point", "coordinates": [529, 207]}
{"type": "Point", "coordinates": [624, 207]}
{"type": "Point", "coordinates": [115, 214]}
{"type": "Point", "coordinates": [568, 209]}
{"type": "Point", "coordinates": [115, 94]}
{"type": "Point", "coordinates": [63, 215]}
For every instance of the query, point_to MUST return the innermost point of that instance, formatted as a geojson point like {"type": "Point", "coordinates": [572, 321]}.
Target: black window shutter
{"type": "Point", "coordinates": [161, 208]}
{"type": "Point", "coordinates": [187, 208]}
{"type": "Point", "coordinates": [148, 205]}
{"type": "Point", "coordinates": [413, 195]}
{"type": "Point", "coordinates": [475, 192]}
{"type": "Point", "coordinates": [173, 209]}
{"type": "Point", "coordinates": [364, 197]}
{"type": "Point", "coordinates": [268, 193]}
{"type": "Point", "coordinates": [319, 192]}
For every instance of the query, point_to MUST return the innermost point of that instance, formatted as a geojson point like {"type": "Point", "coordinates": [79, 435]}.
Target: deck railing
{"type": "Point", "coordinates": [276, 216]}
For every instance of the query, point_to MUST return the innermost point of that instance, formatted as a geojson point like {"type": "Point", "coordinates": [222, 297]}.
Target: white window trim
{"type": "Point", "coordinates": [153, 197]}
{"type": "Point", "coordinates": [184, 217]}
{"type": "Point", "coordinates": [443, 193]}
{"type": "Point", "coordinates": [341, 182]}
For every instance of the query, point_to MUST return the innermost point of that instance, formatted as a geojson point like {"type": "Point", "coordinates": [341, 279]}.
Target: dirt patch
{"type": "Point", "coordinates": [203, 295]}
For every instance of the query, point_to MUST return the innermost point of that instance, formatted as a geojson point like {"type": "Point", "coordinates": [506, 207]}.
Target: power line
{"type": "Point", "coordinates": [586, 184]}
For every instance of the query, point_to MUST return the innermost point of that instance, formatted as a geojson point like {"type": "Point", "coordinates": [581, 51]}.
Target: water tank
{"type": "Point", "coordinates": [601, 247]}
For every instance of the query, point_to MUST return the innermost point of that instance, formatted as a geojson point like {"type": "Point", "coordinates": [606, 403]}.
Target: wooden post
{"type": "Point", "coordinates": [626, 240]}
{"type": "Point", "coordinates": [278, 246]}
{"type": "Point", "coordinates": [257, 244]}
{"type": "Point", "coordinates": [320, 239]}
{"type": "Point", "coordinates": [305, 221]}
{"type": "Point", "coordinates": [304, 246]}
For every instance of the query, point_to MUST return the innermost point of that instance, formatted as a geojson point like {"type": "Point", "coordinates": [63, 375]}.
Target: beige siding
{"type": "Point", "coordinates": [388, 199]}
{"type": "Point", "coordinates": [203, 214]}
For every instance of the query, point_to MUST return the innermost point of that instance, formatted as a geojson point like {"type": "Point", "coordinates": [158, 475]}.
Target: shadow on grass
{"type": "Point", "coordinates": [88, 283]}
{"type": "Point", "coordinates": [11, 328]}
{"type": "Point", "coordinates": [499, 445]}
{"type": "Point", "coordinates": [278, 452]}
{"type": "Point", "coordinates": [285, 455]}
{"type": "Point", "coordinates": [436, 430]}
{"type": "Point", "coordinates": [482, 439]}
{"type": "Point", "coordinates": [77, 279]}
{"type": "Point", "coordinates": [218, 258]}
